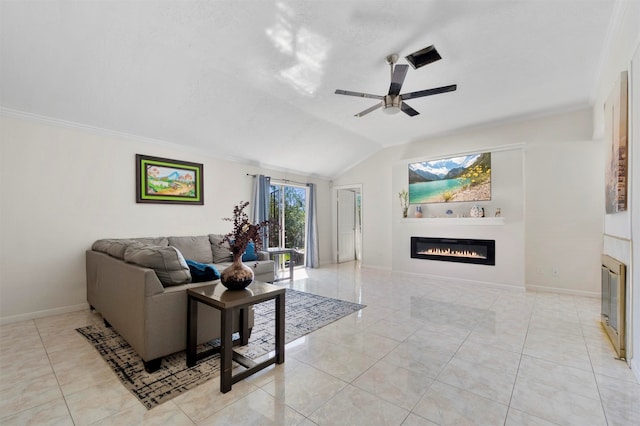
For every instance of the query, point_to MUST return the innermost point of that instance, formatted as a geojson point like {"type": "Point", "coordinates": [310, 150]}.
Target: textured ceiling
{"type": "Point", "coordinates": [255, 80]}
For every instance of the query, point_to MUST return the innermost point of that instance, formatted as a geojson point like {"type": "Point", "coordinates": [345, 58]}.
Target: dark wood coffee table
{"type": "Point", "coordinates": [228, 302]}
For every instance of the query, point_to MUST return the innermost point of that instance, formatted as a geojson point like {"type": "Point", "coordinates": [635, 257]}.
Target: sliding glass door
{"type": "Point", "coordinates": [288, 206]}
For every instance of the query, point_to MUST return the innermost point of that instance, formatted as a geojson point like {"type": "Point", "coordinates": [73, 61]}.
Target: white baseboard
{"type": "Point", "coordinates": [42, 314]}
{"type": "Point", "coordinates": [544, 289]}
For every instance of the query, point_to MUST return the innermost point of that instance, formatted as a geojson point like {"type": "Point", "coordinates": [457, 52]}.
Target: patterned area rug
{"type": "Point", "coordinates": [304, 313]}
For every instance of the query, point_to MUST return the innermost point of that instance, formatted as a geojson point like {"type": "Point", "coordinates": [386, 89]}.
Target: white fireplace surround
{"type": "Point", "coordinates": [507, 191]}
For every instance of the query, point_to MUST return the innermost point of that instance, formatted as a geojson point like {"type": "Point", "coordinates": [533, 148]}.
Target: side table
{"type": "Point", "coordinates": [279, 251]}
{"type": "Point", "coordinates": [228, 302]}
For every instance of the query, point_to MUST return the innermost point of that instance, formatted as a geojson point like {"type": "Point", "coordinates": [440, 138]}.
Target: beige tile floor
{"type": "Point", "coordinates": [423, 352]}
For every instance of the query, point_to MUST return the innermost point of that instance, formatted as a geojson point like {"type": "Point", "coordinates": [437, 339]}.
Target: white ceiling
{"type": "Point", "coordinates": [255, 80]}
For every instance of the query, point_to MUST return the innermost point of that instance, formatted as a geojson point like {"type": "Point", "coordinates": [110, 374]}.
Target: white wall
{"type": "Point", "coordinates": [63, 188]}
{"type": "Point", "coordinates": [619, 236]}
{"type": "Point", "coordinates": [556, 195]}
{"type": "Point", "coordinates": [565, 199]}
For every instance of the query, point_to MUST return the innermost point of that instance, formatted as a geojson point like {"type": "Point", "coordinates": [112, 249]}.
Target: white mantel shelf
{"type": "Point", "coordinates": [476, 221]}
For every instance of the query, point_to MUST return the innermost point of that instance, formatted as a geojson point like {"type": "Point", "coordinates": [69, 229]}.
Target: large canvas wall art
{"type": "Point", "coordinates": [165, 181]}
{"type": "Point", "coordinates": [462, 178]}
{"type": "Point", "coordinates": [616, 135]}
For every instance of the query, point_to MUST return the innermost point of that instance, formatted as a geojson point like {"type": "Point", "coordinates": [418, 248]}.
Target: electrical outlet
{"type": "Point", "coordinates": [555, 272]}
{"type": "Point", "coordinates": [539, 270]}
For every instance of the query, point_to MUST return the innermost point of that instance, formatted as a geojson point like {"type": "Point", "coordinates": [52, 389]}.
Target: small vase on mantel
{"type": "Point", "coordinates": [418, 211]}
{"type": "Point", "coordinates": [237, 276]}
{"type": "Point", "coordinates": [476, 211]}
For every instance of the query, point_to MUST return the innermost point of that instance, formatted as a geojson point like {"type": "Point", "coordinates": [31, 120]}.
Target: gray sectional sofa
{"type": "Point", "coordinates": [139, 287]}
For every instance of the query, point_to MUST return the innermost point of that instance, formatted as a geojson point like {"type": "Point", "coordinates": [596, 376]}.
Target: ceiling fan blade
{"type": "Point", "coordinates": [399, 73]}
{"type": "Point", "coordinates": [408, 110]}
{"type": "Point", "coordinates": [429, 92]}
{"type": "Point", "coordinates": [357, 94]}
{"type": "Point", "coordinates": [368, 110]}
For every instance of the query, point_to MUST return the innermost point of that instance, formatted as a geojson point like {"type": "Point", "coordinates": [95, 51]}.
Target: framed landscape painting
{"type": "Point", "coordinates": [165, 181]}
{"type": "Point", "coordinates": [462, 178]}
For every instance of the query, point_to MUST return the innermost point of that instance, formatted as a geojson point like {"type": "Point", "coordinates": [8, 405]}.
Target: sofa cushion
{"type": "Point", "coordinates": [194, 248]}
{"type": "Point", "coordinates": [167, 262]}
{"type": "Point", "coordinates": [113, 247]}
{"type": "Point", "coordinates": [250, 253]}
{"type": "Point", "coordinates": [201, 272]}
{"type": "Point", "coordinates": [221, 254]}
{"type": "Point", "coordinates": [153, 241]}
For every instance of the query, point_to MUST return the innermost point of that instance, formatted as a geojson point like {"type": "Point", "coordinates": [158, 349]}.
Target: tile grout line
{"type": "Point", "coordinates": [593, 371]}
{"type": "Point", "coordinates": [535, 301]}
{"type": "Point", "coordinates": [53, 370]}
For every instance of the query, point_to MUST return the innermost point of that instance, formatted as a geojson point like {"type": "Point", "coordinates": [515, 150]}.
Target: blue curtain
{"type": "Point", "coordinates": [260, 212]}
{"type": "Point", "coordinates": [312, 256]}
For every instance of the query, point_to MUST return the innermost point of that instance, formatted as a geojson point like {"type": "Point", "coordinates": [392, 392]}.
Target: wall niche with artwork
{"type": "Point", "coordinates": [491, 178]}
{"type": "Point", "coordinates": [453, 179]}
{"type": "Point", "coordinates": [451, 185]}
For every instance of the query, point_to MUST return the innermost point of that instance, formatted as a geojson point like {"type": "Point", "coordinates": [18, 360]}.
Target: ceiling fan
{"type": "Point", "coordinates": [393, 102]}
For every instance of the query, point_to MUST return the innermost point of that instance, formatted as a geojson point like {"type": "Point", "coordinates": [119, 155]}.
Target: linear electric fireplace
{"type": "Point", "coordinates": [482, 252]}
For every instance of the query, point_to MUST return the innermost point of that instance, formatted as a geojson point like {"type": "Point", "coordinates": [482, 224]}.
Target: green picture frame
{"type": "Point", "coordinates": [165, 181]}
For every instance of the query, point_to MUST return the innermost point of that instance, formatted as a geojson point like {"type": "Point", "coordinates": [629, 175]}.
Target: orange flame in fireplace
{"type": "Point", "coordinates": [455, 253]}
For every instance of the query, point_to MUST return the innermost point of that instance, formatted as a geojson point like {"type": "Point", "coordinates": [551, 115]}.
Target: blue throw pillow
{"type": "Point", "coordinates": [201, 272]}
{"type": "Point", "coordinates": [250, 254]}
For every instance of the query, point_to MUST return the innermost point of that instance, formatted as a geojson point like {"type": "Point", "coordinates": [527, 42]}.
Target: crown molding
{"type": "Point", "coordinates": [22, 115]}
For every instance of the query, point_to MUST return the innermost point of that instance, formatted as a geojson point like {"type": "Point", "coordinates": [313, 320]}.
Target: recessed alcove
{"type": "Point", "coordinates": [507, 194]}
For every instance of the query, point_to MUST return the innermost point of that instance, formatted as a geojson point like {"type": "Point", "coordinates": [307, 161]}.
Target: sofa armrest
{"type": "Point", "coordinates": [263, 255]}
{"type": "Point", "coordinates": [114, 286]}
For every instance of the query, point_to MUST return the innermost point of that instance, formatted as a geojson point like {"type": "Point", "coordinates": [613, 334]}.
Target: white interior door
{"type": "Point", "coordinates": [346, 225]}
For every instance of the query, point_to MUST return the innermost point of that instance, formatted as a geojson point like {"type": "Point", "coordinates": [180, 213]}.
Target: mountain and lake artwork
{"type": "Point", "coordinates": [463, 178]}
{"type": "Point", "coordinates": [166, 181]}
{"type": "Point", "coordinates": [170, 181]}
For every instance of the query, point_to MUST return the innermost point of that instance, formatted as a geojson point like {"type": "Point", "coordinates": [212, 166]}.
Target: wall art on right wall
{"type": "Point", "coordinates": [615, 116]}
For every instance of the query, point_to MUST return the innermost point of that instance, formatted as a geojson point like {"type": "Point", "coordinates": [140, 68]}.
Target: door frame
{"type": "Point", "coordinates": [334, 219]}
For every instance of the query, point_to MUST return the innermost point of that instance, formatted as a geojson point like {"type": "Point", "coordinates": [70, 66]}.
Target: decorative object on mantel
{"type": "Point", "coordinates": [418, 211]}
{"type": "Point", "coordinates": [449, 213]}
{"type": "Point", "coordinates": [498, 212]}
{"type": "Point", "coordinates": [476, 211]}
{"type": "Point", "coordinates": [238, 276]}
{"type": "Point", "coordinates": [404, 201]}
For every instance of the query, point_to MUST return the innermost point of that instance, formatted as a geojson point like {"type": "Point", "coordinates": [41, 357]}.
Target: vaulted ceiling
{"type": "Point", "coordinates": [255, 80]}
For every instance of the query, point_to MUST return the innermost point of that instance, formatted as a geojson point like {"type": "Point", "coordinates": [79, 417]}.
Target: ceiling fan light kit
{"type": "Point", "coordinates": [393, 102]}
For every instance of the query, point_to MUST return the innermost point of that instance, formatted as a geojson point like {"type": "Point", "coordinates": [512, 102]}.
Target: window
{"type": "Point", "coordinates": [288, 208]}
